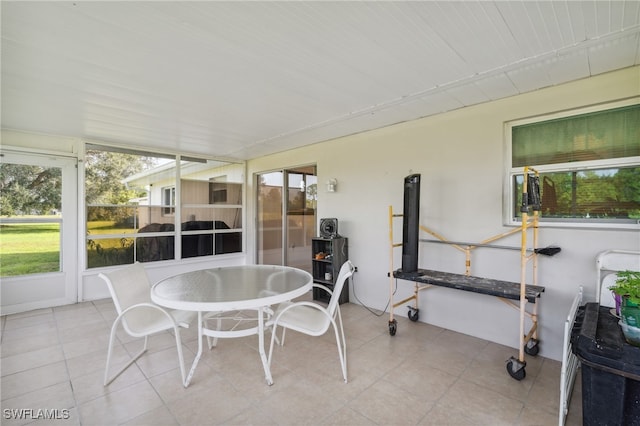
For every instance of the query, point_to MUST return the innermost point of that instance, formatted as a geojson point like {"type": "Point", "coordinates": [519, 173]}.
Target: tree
{"type": "Point", "coordinates": [105, 172]}
{"type": "Point", "coordinates": [29, 189]}
{"type": "Point", "coordinates": [104, 175]}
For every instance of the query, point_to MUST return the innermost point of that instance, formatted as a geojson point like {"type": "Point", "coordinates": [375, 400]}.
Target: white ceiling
{"type": "Point", "coordinates": [245, 79]}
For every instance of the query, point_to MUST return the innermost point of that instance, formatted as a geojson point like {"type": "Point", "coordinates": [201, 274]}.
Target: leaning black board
{"type": "Point", "coordinates": [505, 289]}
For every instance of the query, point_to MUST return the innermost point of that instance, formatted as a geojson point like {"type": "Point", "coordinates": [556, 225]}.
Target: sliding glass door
{"type": "Point", "coordinates": [286, 219]}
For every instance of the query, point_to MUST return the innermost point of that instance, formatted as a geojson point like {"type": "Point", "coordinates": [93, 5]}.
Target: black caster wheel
{"type": "Point", "coordinates": [393, 327]}
{"type": "Point", "coordinates": [516, 369]}
{"type": "Point", "coordinates": [532, 347]}
{"type": "Point", "coordinates": [414, 314]}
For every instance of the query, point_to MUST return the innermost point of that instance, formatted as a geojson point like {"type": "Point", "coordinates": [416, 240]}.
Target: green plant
{"type": "Point", "coordinates": [628, 285]}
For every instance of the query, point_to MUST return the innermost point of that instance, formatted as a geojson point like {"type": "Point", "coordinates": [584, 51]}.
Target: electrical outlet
{"type": "Point", "coordinates": [355, 269]}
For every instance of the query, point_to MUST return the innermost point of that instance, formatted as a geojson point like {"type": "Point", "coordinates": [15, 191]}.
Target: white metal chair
{"type": "Point", "coordinates": [314, 319]}
{"type": "Point", "coordinates": [131, 293]}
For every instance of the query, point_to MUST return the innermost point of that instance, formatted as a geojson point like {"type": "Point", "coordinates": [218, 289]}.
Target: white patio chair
{"type": "Point", "coordinates": [140, 317]}
{"type": "Point", "coordinates": [314, 319]}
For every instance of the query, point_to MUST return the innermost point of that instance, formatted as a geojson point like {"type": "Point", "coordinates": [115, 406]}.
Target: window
{"type": "Point", "coordinates": [589, 164]}
{"type": "Point", "coordinates": [211, 222]}
{"type": "Point", "coordinates": [169, 200]}
{"type": "Point", "coordinates": [149, 207]}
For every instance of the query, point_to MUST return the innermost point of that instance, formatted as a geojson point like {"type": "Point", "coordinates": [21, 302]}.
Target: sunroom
{"type": "Point", "coordinates": [248, 123]}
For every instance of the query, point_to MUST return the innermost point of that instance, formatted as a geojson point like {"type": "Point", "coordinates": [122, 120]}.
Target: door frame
{"type": "Point", "coordinates": [284, 210]}
{"type": "Point", "coordinates": [36, 291]}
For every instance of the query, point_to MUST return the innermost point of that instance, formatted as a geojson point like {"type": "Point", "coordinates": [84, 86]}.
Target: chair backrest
{"type": "Point", "coordinates": [128, 286]}
{"type": "Point", "coordinates": [346, 271]}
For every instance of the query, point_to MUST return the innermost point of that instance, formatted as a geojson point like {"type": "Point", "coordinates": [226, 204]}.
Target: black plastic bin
{"type": "Point", "coordinates": [610, 368]}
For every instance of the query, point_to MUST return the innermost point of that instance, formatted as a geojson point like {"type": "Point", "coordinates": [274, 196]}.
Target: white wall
{"type": "Point", "coordinates": [461, 158]}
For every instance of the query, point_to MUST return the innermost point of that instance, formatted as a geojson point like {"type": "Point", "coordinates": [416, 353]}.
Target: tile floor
{"type": "Point", "coordinates": [53, 359]}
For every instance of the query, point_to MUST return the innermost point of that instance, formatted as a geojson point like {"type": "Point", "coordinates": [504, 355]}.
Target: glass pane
{"type": "Point", "coordinates": [605, 195]}
{"type": "Point", "coordinates": [109, 252]}
{"type": "Point", "coordinates": [30, 216]}
{"type": "Point", "coordinates": [204, 186]}
{"type": "Point", "coordinates": [229, 218]}
{"type": "Point", "coordinates": [103, 219]}
{"type": "Point", "coordinates": [600, 135]}
{"type": "Point", "coordinates": [123, 196]}
{"type": "Point", "coordinates": [269, 226]}
{"type": "Point", "coordinates": [225, 193]}
{"type": "Point", "coordinates": [196, 243]}
{"type": "Point", "coordinates": [131, 197]}
{"type": "Point", "coordinates": [151, 249]}
{"type": "Point", "coordinates": [154, 219]}
{"type": "Point", "coordinates": [301, 219]}
{"type": "Point", "coordinates": [29, 248]}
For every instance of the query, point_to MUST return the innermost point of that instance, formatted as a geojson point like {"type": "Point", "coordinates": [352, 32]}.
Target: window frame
{"type": "Point", "coordinates": [168, 205]}
{"type": "Point", "coordinates": [173, 211]}
{"type": "Point", "coordinates": [509, 206]}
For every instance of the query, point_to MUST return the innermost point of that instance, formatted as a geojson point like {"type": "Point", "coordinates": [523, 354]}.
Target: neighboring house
{"type": "Point", "coordinates": [210, 215]}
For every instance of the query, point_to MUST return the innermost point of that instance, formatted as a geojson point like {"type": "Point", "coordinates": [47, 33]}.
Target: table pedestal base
{"type": "Point", "coordinates": [217, 333]}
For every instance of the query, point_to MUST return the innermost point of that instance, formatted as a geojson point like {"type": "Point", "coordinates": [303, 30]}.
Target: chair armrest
{"type": "Point", "coordinates": [170, 317]}
{"type": "Point", "coordinates": [296, 304]}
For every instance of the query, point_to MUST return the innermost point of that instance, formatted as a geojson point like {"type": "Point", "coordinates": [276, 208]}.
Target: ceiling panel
{"type": "Point", "coordinates": [496, 86]}
{"type": "Point", "coordinates": [531, 77]}
{"type": "Point", "coordinates": [468, 94]}
{"type": "Point", "coordinates": [246, 79]}
{"type": "Point", "coordinates": [569, 66]}
{"type": "Point", "coordinates": [613, 54]}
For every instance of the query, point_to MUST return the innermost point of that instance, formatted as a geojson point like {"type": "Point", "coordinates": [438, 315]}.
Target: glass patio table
{"type": "Point", "coordinates": [232, 288]}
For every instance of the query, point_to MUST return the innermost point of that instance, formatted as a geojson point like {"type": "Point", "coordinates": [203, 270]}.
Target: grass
{"type": "Point", "coordinates": [34, 248]}
{"type": "Point", "coordinates": [29, 248]}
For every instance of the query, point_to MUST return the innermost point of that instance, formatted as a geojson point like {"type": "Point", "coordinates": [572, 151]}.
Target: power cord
{"type": "Point", "coordinates": [368, 308]}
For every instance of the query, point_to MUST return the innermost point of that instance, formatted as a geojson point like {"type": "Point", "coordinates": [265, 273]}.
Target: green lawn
{"type": "Point", "coordinates": [29, 248]}
{"type": "Point", "coordinates": [32, 248]}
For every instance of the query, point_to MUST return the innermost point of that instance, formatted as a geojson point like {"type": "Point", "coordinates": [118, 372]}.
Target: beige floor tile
{"type": "Point", "coordinates": [251, 417]}
{"type": "Point", "coordinates": [94, 361]}
{"type": "Point", "coordinates": [442, 416]}
{"type": "Point", "coordinates": [161, 361]}
{"type": "Point", "coordinates": [29, 319]}
{"type": "Point", "coordinates": [493, 374]}
{"type": "Point", "coordinates": [418, 377]}
{"type": "Point", "coordinates": [85, 330]}
{"type": "Point", "coordinates": [54, 358]}
{"type": "Point", "coordinates": [219, 403]}
{"type": "Point", "coordinates": [458, 342]}
{"type": "Point", "coordinates": [545, 393]}
{"type": "Point", "coordinates": [160, 416]}
{"type": "Point", "coordinates": [69, 321]}
{"type": "Point", "coordinates": [29, 343]}
{"type": "Point", "coordinates": [386, 403]}
{"type": "Point", "coordinates": [57, 400]}
{"type": "Point", "coordinates": [481, 404]}
{"type": "Point", "coordinates": [299, 403]}
{"type": "Point", "coordinates": [91, 385]}
{"type": "Point", "coordinates": [38, 328]}
{"type": "Point", "coordinates": [32, 359]}
{"type": "Point", "coordinates": [120, 406]}
{"type": "Point", "coordinates": [443, 358]}
{"type": "Point", "coordinates": [534, 416]}
{"type": "Point", "coordinates": [30, 380]}
{"type": "Point", "coordinates": [170, 388]}
{"type": "Point", "coordinates": [347, 416]}
{"type": "Point", "coordinates": [86, 345]}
